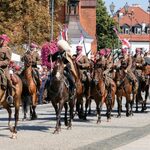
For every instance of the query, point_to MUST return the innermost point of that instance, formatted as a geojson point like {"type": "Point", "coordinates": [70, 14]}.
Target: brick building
{"type": "Point", "coordinates": [80, 15]}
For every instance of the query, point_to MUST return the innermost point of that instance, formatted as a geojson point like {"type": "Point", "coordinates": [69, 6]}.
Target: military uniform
{"type": "Point", "coordinates": [126, 65]}
{"type": "Point", "coordinates": [5, 57]}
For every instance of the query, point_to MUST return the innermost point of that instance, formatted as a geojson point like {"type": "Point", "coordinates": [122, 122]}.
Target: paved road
{"type": "Point", "coordinates": [120, 134]}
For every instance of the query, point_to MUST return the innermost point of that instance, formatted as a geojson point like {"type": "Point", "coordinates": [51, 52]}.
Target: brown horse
{"type": "Point", "coordinates": [100, 93]}
{"type": "Point", "coordinates": [124, 88]}
{"type": "Point", "coordinates": [82, 90]}
{"type": "Point", "coordinates": [58, 89]}
{"type": "Point", "coordinates": [17, 100]}
{"type": "Point", "coordinates": [29, 94]}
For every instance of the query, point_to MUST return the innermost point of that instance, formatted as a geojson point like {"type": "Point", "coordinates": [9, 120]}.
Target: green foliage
{"type": "Point", "coordinates": [27, 20]}
{"type": "Point", "coordinates": [106, 37]}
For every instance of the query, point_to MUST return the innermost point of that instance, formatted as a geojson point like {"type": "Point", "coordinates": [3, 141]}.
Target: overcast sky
{"type": "Point", "coordinates": [120, 3]}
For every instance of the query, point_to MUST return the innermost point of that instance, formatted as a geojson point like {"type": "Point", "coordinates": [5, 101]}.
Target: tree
{"type": "Point", "coordinates": [27, 21]}
{"type": "Point", "coordinates": [106, 38]}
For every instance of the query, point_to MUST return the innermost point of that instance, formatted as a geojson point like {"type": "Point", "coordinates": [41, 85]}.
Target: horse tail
{"type": "Point", "coordinates": [26, 100]}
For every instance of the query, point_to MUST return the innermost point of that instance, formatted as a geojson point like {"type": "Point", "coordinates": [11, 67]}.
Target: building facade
{"type": "Point", "coordinates": [80, 15]}
{"type": "Point", "coordinates": [134, 26]}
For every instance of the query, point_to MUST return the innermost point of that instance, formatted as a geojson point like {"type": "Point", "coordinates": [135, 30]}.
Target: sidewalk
{"type": "Point", "coordinates": [141, 144]}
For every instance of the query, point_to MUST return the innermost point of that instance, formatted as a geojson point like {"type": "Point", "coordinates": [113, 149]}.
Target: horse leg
{"type": "Point", "coordinates": [34, 103]}
{"type": "Point", "coordinates": [58, 117]}
{"type": "Point", "coordinates": [86, 107]}
{"type": "Point", "coordinates": [146, 96]}
{"type": "Point", "coordinates": [71, 105]}
{"type": "Point", "coordinates": [90, 101]}
{"type": "Point", "coordinates": [66, 110]}
{"type": "Point", "coordinates": [108, 105]}
{"type": "Point", "coordinates": [137, 103]}
{"type": "Point", "coordinates": [127, 105]}
{"type": "Point", "coordinates": [119, 101]}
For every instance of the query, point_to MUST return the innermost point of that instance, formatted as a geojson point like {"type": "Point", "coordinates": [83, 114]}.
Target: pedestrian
{"type": "Point", "coordinates": [44, 77]}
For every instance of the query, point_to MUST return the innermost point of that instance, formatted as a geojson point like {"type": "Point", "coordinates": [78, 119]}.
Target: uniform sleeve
{"type": "Point", "coordinates": [7, 58]}
{"type": "Point", "coordinates": [86, 62]}
{"type": "Point", "coordinates": [129, 63]}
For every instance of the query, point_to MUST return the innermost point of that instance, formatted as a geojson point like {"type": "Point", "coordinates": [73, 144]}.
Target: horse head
{"type": "Point", "coordinates": [119, 76]}
{"type": "Point", "coordinates": [98, 73]}
{"type": "Point", "coordinates": [27, 59]}
{"type": "Point", "coordinates": [58, 70]}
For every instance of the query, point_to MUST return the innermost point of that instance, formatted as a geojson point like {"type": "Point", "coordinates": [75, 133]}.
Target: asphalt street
{"type": "Point", "coordinates": [120, 134]}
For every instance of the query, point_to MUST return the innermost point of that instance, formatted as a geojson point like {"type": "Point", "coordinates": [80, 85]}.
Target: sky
{"type": "Point", "coordinates": [120, 3]}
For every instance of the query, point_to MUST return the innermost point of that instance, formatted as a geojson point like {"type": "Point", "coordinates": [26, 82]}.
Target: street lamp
{"type": "Point", "coordinates": [52, 18]}
{"type": "Point", "coordinates": [130, 15]}
{"type": "Point", "coordinates": [112, 9]}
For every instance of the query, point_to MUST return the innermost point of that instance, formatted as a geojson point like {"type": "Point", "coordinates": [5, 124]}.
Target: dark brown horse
{"type": "Point", "coordinates": [100, 93]}
{"type": "Point", "coordinates": [29, 94]}
{"type": "Point", "coordinates": [58, 89]}
{"type": "Point", "coordinates": [124, 88]}
{"type": "Point", "coordinates": [17, 100]}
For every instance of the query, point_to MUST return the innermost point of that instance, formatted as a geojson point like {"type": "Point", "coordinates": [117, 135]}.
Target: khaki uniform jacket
{"type": "Point", "coordinates": [5, 57]}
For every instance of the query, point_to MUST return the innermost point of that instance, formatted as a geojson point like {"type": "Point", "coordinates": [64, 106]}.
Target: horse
{"type": "Point", "coordinates": [143, 82]}
{"type": "Point", "coordinates": [17, 100]}
{"type": "Point", "coordinates": [100, 93]}
{"type": "Point", "coordinates": [58, 89]}
{"type": "Point", "coordinates": [124, 88]}
{"type": "Point", "coordinates": [82, 91]}
{"type": "Point", "coordinates": [29, 94]}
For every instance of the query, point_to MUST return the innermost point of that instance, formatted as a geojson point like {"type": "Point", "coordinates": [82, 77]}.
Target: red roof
{"type": "Point", "coordinates": [136, 37]}
{"type": "Point", "coordinates": [139, 16]}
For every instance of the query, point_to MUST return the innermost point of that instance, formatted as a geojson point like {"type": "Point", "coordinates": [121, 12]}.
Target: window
{"type": "Point", "coordinates": [138, 30]}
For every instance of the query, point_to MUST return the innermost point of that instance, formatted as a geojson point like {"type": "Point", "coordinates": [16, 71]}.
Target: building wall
{"type": "Point", "coordinates": [88, 21]}
{"type": "Point", "coordinates": [143, 45]}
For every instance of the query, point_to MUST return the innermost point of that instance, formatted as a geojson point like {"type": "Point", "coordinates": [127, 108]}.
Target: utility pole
{"type": "Point", "coordinates": [52, 19]}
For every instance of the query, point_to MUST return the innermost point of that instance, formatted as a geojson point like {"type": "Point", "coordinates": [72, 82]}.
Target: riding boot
{"type": "Point", "coordinates": [37, 79]}
{"type": "Point", "coordinates": [71, 84]}
{"type": "Point", "coordinates": [10, 99]}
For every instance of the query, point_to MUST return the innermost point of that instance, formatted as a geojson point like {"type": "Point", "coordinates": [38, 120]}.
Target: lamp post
{"type": "Point", "coordinates": [148, 9]}
{"type": "Point", "coordinates": [52, 18]}
{"type": "Point", "coordinates": [112, 9]}
{"type": "Point", "coordinates": [131, 16]}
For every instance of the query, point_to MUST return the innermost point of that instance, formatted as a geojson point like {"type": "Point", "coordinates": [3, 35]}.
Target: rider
{"type": "Point", "coordinates": [5, 57]}
{"type": "Point", "coordinates": [108, 74]}
{"type": "Point", "coordinates": [69, 70]}
{"type": "Point", "coordinates": [82, 61]}
{"type": "Point", "coordinates": [35, 61]}
{"type": "Point", "coordinates": [138, 62]}
{"type": "Point", "coordinates": [126, 64]}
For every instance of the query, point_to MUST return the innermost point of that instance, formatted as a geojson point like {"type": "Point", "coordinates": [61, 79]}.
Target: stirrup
{"type": "Point", "coordinates": [10, 100]}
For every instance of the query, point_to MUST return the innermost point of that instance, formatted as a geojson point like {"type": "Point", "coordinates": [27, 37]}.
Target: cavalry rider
{"type": "Point", "coordinates": [69, 70]}
{"type": "Point", "coordinates": [138, 62]}
{"type": "Point", "coordinates": [35, 61]}
{"type": "Point", "coordinates": [82, 62]}
{"type": "Point", "coordinates": [5, 57]}
{"type": "Point", "coordinates": [100, 59]}
{"type": "Point", "coordinates": [108, 72]}
{"type": "Point", "coordinates": [126, 65]}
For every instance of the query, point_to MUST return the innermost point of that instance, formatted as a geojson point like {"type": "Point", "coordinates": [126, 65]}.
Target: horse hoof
{"type": "Point", "coordinates": [69, 127]}
{"type": "Point", "coordinates": [14, 136]}
{"type": "Point", "coordinates": [118, 116]}
{"type": "Point", "coordinates": [109, 120]}
{"type": "Point", "coordinates": [56, 131]}
{"type": "Point", "coordinates": [98, 121]}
